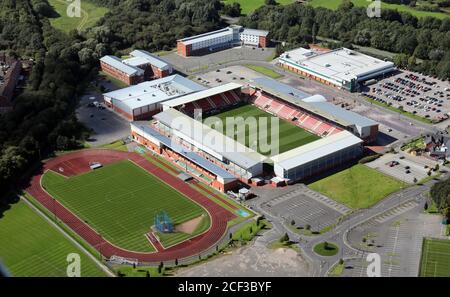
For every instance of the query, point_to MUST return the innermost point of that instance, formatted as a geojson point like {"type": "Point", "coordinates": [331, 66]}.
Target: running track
{"type": "Point", "coordinates": [78, 162]}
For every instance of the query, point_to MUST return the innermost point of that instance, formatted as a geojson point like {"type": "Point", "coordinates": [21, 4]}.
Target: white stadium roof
{"type": "Point", "coordinates": [155, 91]}
{"type": "Point", "coordinates": [202, 94]}
{"type": "Point", "coordinates": [340, 64]}
{"type": "Point", "coordinates": [315, 150]}
{"type": "Point", "coordinates": [118, 64]}
{"type": "Point", "coordinates": [208, 139]}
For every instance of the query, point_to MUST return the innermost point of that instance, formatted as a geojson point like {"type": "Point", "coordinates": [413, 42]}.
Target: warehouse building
{"type": "Point", "coordinates": [343, 68]}
{"type": "Point", "coordinates": [141, 66]}
{"type": "Point", "coordinates": [318, 156]}
{"type": "Point", "coordinates": [221, 39]}
{"type": "Point", "coordinates": [143, 100]}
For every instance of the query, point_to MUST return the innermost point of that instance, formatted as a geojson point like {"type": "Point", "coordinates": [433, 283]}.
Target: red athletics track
{"type": "Point", "coordinates": [78, 162]}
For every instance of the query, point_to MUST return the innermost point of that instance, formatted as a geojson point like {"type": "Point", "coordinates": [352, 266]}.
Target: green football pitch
{"type": "Point", "coordinates": [30, 246]}
{"type": "Point", "coordinates": [289, 135]}
{"type": "Point", "coordinates": [120, 202]}
{"type": "Point", "coordinates": [435, 258]}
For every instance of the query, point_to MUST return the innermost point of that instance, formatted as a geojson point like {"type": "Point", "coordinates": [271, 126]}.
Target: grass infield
{"type": "Point", "coordinates": [120, 202]}
{"type": "Point", "coordinates": [30, 246]}
{"type": "Point", "coordinates": [326, 250]}
{"type": "Point", "coordinates": [290, 136]}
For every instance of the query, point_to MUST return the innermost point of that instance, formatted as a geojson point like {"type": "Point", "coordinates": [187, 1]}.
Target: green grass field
{"type": "Point", "coordinates": [30, 246]}
{"type": "Point", "coordinates": [250, 5]}
{"type": "Point", "coordinates": [334, 4]}
{"type": "Point", "coordinates": [264, 70]}
{"type": "Point", "coordinates": [290, 136]}
{"type": "Point", "coordinates": [358, 186]}
{"type": "Point", "coordinates": [90, 14]}
{"type": "Point", "coordinates": [121, 200]}
{"type": "Point", "coordinates": [435, 258]}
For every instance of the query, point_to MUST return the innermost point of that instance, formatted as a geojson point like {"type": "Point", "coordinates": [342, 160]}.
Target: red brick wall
{"type": "Point", "coordinates": [129, 80]}
{"type": "Point", "coordinates": [263, 42]}
{"type": "Point", "coordinates": [183, 50]}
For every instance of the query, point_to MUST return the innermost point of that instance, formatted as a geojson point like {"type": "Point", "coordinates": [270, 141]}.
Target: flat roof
{"type": "Point", "coordinates": [209, 139]}
{"type": "Point", "coordinates": [315, 150]}
{"type": "Point", "coordinates": [255, 32]}
{"type": "Point", "coordinates": [155, 91]}
{"type": "Point", "coordinates": [197, 159]}
{"type": "Point", "coordinates": [141, 55]}
{"type": "Point", "coordinates": [206, 36]}
{"type": "Point", "coordinates": [118, 64]}
{"type": "Point", "coordinates": [341, 64]}
{"type": "Point", "coordinates": [202, 94]}
{"type": "Point", "coordinates": [344, 114]}
{"type": "Point", "coordinates": [270, 83]}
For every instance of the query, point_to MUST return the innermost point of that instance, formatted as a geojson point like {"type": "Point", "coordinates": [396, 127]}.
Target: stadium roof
{"type": "Point", "coordinates": [344, 114]}
{"type": "Point", "coordinates": [202, 94]}
{"type": "Point", "coordinates": [118, 64]}
{"type": "Point", "coordinates": [208, 139]}
{"type": "Point", "coordinates": [197, 159]}
{"type": "Point", "coordinates": [316, 103]}
{"type": "Point", "coordinates": [142, 57]}
{"type": "Point", "coordinates": [315, 150]}
{"type": "Point", "coordinates": [275, 86]}
{"type": "Point", "coordinates": [155, 91]}
{"type": "Point", "coordinates": [255, 32]}
{"type": "Point", "coordinates": [341, 64]}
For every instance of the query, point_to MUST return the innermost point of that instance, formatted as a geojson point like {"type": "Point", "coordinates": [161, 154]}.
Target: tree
{"type": "Point", "coordinates": [292, 222]}
{"type": "Point", "coordinates": [147, 273]}
{"type": "Point", "coordinates": [160, 267]}
{"type": "Point", "coordinates": [270, 2]}
{"type": "Point", "coordinates": [284, 238]}
{"type": "Point", "coordinates": [308, 227]}
{"type": "Point", "coordinates": [425, 207]}
{"type": "Point", "coordinates": [176, 262]}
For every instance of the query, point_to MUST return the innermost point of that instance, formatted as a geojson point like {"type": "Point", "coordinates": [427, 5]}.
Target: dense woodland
{"type": "Point", "coordinates": [440, 193]}
{"type": "Point", "coordinates": [43, 118]}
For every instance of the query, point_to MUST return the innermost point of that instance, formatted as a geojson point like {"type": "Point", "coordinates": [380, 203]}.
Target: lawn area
{"type": "Point", "coordinates": [115, 81]}
{"type": "Point", "coordinates": [326, 249]}
{"type": "Point", "coordinates": [121, 200]}
{"type": "Point", "coordinates": [30, 246]}
{"type": "Point", "coordinates": [90, 14]}
{"type": "Point", "coordinates": [289, 136]}
{"type": "Point", "coordinates": [250, 5]}
{"type": "Point", "coordinates": [358, 186]}
{"type": "Point", "coordinates": [333, 4]}
{"type": "Point", "coordinates": [264, 70]}
{"type": "Point", "coordinates": [435, 258]}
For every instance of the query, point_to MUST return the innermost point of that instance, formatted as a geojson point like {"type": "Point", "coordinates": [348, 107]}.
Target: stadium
{"type": "Point", "coordinates": [313, 135]}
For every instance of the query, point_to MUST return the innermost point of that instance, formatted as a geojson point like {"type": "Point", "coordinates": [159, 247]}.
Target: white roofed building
{"type": "Point", "coordinates": [343, 68]}
{"type": "Point", "coordinates": [141, 101]}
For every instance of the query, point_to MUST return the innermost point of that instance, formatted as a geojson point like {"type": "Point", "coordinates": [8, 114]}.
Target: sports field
{"type": "Point", "coordinates": [290, 136]}
{"type": "Point", "coordinates": [30, 246]}
{"type": "Point", "coordinates": [120, 202]}
{"type": "Point", "coordinates": [90, 14]}
{"type": "Point", "coordinates": [334, 4]}
{"type": "Point", "coordinates": [248, 6]}
{"type": "Point", "coordinates": [358, 186]}
{"type": "Point", "coordinates": [435, 258]}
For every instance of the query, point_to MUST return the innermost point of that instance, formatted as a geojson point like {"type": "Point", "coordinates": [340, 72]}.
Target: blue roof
{"type": "Point", "coordinates": [280, 87]}
{"type": "Point", "coordinates": [190, 155]}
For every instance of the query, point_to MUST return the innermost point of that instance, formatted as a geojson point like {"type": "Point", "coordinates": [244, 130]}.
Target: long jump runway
{"type": "Point", "coordinates": [78, 162]}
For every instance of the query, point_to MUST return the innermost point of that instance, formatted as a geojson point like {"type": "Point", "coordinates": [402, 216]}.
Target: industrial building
{"type": "Point", "coordinates": [221, 39]}
{"type": "Point", "coordinates": [143, 100]}
{"type": "Point", "coordinates": [139, 67]}
{"type": "Point", "coordinates": [315, 157]}
{"type": "Point", "coordinates": [343, 68]}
